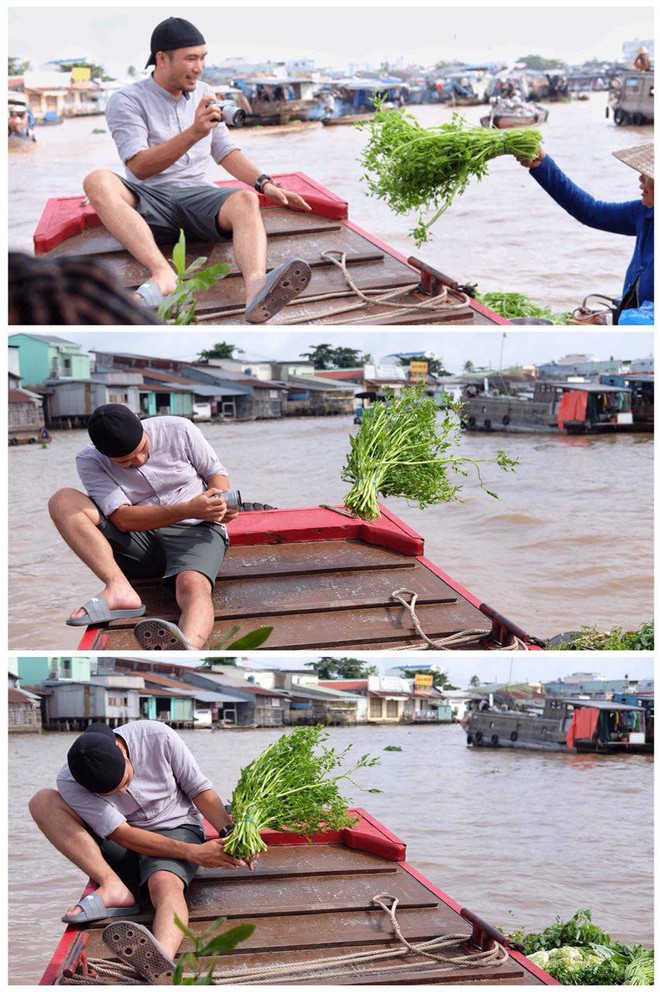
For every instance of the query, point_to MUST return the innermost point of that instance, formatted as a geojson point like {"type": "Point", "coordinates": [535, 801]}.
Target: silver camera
{"type": "Point", "coordinates": [230, 113]}
{"type": "Point", "coordinates": [232, 498]}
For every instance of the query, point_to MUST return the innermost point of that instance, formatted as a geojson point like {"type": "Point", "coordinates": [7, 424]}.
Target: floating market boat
{"type": "Point", "coordinates": [344, 119]}
{"type": "Point", "coordinates": [525, 115]}
{"type": "Point", "coordinates": [631, 98]}
{"type": "Point", "coordinates": [569, 725]}
{"type": "Point", "coordinates": [356, 278]}
{"type": "Point", "coordinates": [322, 578]}
{"type": "Point", "coordinates": [558, 408]}
{"type": "Point", "coordinates": [345, 909]}
{"type": "Point", "coordinates": [277, 101]}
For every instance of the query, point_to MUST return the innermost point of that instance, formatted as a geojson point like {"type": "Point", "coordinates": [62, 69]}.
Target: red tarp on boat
{"type": "Point", "coordinates": [582, 725]}
{"type": "Point", "coordinates": [573, 406]}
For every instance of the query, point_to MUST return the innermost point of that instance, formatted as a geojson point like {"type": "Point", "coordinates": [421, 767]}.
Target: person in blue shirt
{"type": "Point", "coordinates": [633, 218]}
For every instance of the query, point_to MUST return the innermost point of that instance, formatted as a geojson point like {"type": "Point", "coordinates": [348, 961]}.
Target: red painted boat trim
{"type": "Point", "coordinates": [64, 946]}
{"type": "Point", "coordinates": [496, 318]}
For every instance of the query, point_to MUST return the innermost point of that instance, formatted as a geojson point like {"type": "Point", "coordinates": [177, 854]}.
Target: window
{"type": "Point", "coordinates": [376, 706]}
{"type": "Point", "coordinates": [392, 710]}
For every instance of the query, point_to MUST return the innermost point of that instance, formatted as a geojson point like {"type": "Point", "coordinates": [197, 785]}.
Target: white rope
{"type": "Point", "coordinates": [452, 640]}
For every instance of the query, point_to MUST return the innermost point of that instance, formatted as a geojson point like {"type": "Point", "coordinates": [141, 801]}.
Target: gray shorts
{"type": "Point", "coordinates": [143, 554]}
{"type": "Point", "coordinates": [170, 207]}
{"type": "Point", "coordinates": [135, 869]}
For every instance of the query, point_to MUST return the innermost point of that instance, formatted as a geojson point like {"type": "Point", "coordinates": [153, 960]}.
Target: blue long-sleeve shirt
{"type": "Point", "coordinates": [631, 218]}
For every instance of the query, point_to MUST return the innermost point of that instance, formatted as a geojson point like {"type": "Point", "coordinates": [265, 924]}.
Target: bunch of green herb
{"type": "Point", "coordinates": [179, 306]}
{"type": "Point", "coordinates": [415, 168]}
{"type": "Point", "coordinates": [403, 449]}
{"type": "Point", "coordinates": [199, 964]}
{"type": "Point", "coordinates": [291, 786]}
{"type": "Point", "coordinates": [592, 639]}
{"type": "Point", "coordinates": [578, 952]}
{"type": "Point", "coordinates": [512, 305]}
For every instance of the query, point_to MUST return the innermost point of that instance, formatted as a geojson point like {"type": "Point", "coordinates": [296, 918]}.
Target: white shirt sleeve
{"type": "Point", "coordinates": [96, 811]}
{"type": "Point", "coordinates": [128, 126]}
{"type": "Point", "coordinates": [202, 456]}
{"type": "Point", "coordinates": [100, 488]}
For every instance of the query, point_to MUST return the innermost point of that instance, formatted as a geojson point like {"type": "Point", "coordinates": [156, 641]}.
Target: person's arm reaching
{"type": "Point", "coordinates": [210, 854]}
{"type": "Point", "coordinates": [151, 161]}
{"type": "Point", "coordinates": [209, 505]}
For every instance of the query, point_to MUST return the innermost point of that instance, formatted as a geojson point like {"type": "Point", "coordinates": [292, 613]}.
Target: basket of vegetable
{"type": "Point", "coordinates": [293, 785]}
{"type": "Point", "coordinates": [411, 167]}
{"type": "Point", "coordinates": [403, 448]}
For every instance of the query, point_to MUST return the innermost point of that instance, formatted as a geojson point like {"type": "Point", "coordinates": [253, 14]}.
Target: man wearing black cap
{"type": "Point", "coordinates": [153, 506]}
{"type": "Point", "coordinates": [167, 131]}
{"type": "Point", "coordinates": [128, 812]}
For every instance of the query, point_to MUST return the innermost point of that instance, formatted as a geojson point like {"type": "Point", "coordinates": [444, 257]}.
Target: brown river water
{"type": "Point", "coordinates": [477, 823]}
{"type": "Point", "coordinates": [569, 542]}
{"type": "Point", "coordinates": [505, 233]}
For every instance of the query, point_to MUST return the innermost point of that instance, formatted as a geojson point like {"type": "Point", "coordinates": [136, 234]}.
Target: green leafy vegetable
{"type": "Point", "coordinates": [206, 944]}
{"type": "Point", "coordinates": [401, 449]}
{"type": "Point", "coordinates": [290, 787]}
{"type": "Point", "coordinates": [179, 306]}
{"type": "Point", "coordinates": [592, 639]}
{"type": "Point", "coordinates": [411, 167]}
{"type": "Point", "coordinates": [512, 305]}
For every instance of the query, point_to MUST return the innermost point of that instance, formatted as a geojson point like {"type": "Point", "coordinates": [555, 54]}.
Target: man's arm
{"type": "Point", "coordinates": [211, 807]}
{"type": "Point", "coordinates": [151, 161]}
{"type": "Point", "coordinates": [240, 167]}
{"type": "Point", "coordinates": [206, 506]}
{"type": "Point", "coordinates": [209, 854]}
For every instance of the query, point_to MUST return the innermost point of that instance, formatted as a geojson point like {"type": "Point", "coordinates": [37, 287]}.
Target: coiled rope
{"type": "Point", "coordinates": [452, 640]}
{"type": "Point", "coordinates": [366, 298]}
{"type": "Point", "coordinates": [410, 956]}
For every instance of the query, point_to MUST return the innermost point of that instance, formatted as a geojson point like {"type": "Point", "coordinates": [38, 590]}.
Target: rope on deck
{"type": "Point", "coordinates": [366, 298]}
{"type": "Point", "coordinates": [413, 955]}
{"type": "Point", "coordinates": [452, 640]}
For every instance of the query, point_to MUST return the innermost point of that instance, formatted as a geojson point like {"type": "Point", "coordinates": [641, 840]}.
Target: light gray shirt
{"type": "Point", "coordinates": [144, 114]}
{"type": "Point", "coordinates": [166, 780]}
{"type": "Point", "coordinates": [180, 461]}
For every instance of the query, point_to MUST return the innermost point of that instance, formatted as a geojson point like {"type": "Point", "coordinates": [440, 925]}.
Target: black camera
{"type": "Point", "coordinates": [230, 113]}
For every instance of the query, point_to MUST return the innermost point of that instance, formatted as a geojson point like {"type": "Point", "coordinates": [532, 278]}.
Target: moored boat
{"type": "Point", "coordinates": [345, 909]}
{"type": "Point", "coordinates": [322, 578]}
{"type": "Point", "coordinates": [568, 725]}
{"type": "Point", "coordinates": [525, 115]}
{"type": "Point", "coordinates": [558, 408]}
{"type": "Point", "coordinates": [345, 119]}
{"type": "Point", "coordinates": [356, 278]}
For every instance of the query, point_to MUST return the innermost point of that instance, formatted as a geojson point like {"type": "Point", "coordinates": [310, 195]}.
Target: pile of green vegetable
{"type": "Point", "coordinates": [403, 449]}
{"type": "Point", "coordinates": [290, 786]}
{"type": "Point", "coordinates": [415, 168]}
{"type": "Point", "coordinates": [592, 639]}
{"type": "Point", "coordinates": [512, 305]}
{"type": "Point", "coordinates": [577, 952]}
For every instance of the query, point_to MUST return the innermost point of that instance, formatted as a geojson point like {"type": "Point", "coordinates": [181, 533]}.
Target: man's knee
{"type": "Point", "coordinates": [66, 501]}
{"type": "Point", "coordinates": [41, 804]}
{"type": "Point", "coordinates": [102, 184]}
{"type": "Point", "coordinates": [192, 584]}
{"type": "Point", "coordinates": [163, 884]}
{"type": "Point", "coordinates": [240, 206]}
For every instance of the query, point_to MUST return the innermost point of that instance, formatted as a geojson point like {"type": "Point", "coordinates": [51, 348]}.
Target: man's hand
{"type": "Point", "coordinates": [207, 117]}
{"type": "Point", "coordinates": [211, 854]}
{"type": "Point", "coordinates": [532, 163]}
{"type": "Point", "coordinates": [210, 505]}
{"type": "Point", "coordinates": [285, 197]}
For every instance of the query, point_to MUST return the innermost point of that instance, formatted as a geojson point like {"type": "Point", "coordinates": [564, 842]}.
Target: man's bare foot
{"type": "Point", "coordinates": [117, 597]}
{"type": "Point", "coordinates": [114, 895]}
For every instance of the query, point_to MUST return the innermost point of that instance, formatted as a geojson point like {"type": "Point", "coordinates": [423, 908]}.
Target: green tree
{"type": "Point", "coordinates": [324, 356]}
{"type": "Point", "coordinates": [210, 661]}
{"type": "Point", "coordinates": [16, 67]}
{"type": "Point", "coordinates": [219, 350]}
{"type": "Point", "coordinates": [435, 364]}
{"type": "Point", "coordinates": [97, 71]}
{"type": "Point", "coordinates": [468, 367]}
{"type": "Point", "coordinates": [475, 681]}
{"type": "Point", "coordinates": [131, 72]}
{"type": "Point", "coordinates": [341, 668]}
{"type": "Point", "coordinates": [538, 62]}
{"type": "Point", "coordinates": [440, 679]}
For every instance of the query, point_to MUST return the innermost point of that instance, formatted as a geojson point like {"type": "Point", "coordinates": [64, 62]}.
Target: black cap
{"type": "Point", "coordinates": [95, 761]}
{"type": "Point", "coordinates": [173, 33]}
{"type": "Point", "coordinates": [115, 431]}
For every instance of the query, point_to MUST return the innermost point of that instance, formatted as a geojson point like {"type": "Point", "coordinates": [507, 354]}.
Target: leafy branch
{"type": "Point", "coordinates": [179, 306]}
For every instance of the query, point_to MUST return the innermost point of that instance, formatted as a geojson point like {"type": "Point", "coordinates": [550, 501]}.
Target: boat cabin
{"type": "Point", "coordinates": [631, 98]}
{"type": "Point", "coordinates": [277, 101]}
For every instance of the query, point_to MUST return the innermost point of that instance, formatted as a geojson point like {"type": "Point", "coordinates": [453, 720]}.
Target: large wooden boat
{"type": "Point", "coordinates": [322, 578]}
{"type": "Point", "coordinates": [356, 278]}
{"type": "Point", "coordinates": [568, 725]}
{"type": "Point", "coordinates": [561, 408]}
{"type": "Point", "coordinates": [322, 916]}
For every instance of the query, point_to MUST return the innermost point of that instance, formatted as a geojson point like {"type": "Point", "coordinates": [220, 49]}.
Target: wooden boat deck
{"type": "Point", "coordinates": [315, 901]}
{"type": "Point", "coordinates": [69, 227]}
{"type": "Point", "coordinates": [324, 579]}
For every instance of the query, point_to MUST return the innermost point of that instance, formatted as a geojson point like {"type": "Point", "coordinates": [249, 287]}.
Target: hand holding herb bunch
{"type": "Point", "coordinates": [290, 787]}
{"type": "Point", "coordinates": [402, 450]}
{"type": "Point", "coordinates": [411, 167]}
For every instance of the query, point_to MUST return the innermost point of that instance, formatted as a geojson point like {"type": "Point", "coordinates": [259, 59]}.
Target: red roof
{"type": "Point", "coordinates": [355, 685]}
{"type": "Point", "coordinates": [16, 696]}
{"type": "Point", "coordinates": [18, 396]}
{"type": "Point", "coordinates": [343, 375]}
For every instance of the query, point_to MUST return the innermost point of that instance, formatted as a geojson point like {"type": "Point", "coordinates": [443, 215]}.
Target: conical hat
{"type": "Point", "coordinates": [640, 158]}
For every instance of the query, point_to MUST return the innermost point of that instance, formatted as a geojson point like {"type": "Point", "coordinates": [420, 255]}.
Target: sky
{"type": "Point", "coordinates": [455, 347]}
{"type": "Point", "coordinates": [527, 666]}
{"type": "Point", "coordinates": [117, 37]}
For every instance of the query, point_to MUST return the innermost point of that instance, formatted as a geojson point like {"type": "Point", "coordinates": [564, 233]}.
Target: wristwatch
{"type": "Point", "coordinates": [226, 830]}
{"type": "Point", "coordinates": [261, 182]}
